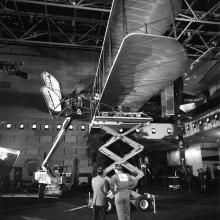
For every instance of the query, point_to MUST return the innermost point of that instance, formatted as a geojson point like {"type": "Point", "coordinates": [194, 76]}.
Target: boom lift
{"type": "Point", "coordinates": [50, 182]}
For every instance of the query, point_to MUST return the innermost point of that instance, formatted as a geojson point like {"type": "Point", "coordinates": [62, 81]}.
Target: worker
{"type": "Point", "coordinates": [100, 188]}
{"type": "Point", "coordinates": [121, 184]}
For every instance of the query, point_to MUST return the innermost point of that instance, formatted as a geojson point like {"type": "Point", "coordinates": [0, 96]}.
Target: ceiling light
{"type": "Point", "coordinates": [34, 126]}
{"type": "Point", "coordinates": [194, 125]}
{"type": "Point", "coordinates": [137, 130]}
{"type": "Point", "coordinates": [58, 126]}
{"type": "Point", "coordinates": [214, 43]}
{"type": "Point", "coordinates": [82, 127]}
{"type": "Point", "coordinates": [46, 127]}
{"type": "Point", "coordinates": [121, 130]}
{"type": "Point", "coordinates": [71, 127]}
{"type": "Point", "coordinates": [153, 130]}
{"type": "Point", "coordinates": [79, 112]}
{"type": "Point", "coordinates": [200, 122]}
{"type": "Point", "coordinates": [216, 116]}
{"type": "Point", "coordinates": [187, 127]}
{"type": "Point", "coordinates": [21, 126]}
{"type": "Point", "coordinates": [8, 126]}
{"type": "Point", "coordinates": [207, 120]}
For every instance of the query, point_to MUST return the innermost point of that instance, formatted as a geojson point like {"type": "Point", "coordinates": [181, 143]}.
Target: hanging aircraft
{"type": "Point", "coordinates": [136, 62]}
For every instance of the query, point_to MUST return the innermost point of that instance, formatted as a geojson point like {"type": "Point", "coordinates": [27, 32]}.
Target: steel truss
{"type": "Point", "coordinates": [82, 23]}
{"type": "Point", "coordinates": [197, 30]}
{"type": "Point", "coordinates": [51, 22]}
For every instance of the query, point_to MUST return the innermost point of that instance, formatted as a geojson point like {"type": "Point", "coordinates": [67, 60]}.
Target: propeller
{"type": "Point", "coordinates": [13, 68]}
{"type": "Point", "coordinates": [77, 103]}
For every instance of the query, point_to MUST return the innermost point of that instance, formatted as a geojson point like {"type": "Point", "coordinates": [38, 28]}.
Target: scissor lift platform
{"type": "Point", "coordinates": [119, 118]}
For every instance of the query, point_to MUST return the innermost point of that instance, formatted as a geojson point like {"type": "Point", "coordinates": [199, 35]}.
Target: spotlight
{"type": "Point", "coordinates": [214, 43]}
{"type": "Point", "coordinates": [82, 127]}
{"type": "Point", "coordinates": [168, 131]}
{"type": "Point", "coordinates": [46, 127]}
{"type": "Point", "coordinates": [34, 126]}
{"type": "Point", "coordinates": [194, 125]}
{"type": "Point", "coordinates": [8, 126]}
{"type": "Point", "coordinates": [216, 116]}
{"type": "Point", "coordinates": [71, 127]}
{"type": "Point", "coordinates": [58, 126]}
{"type": "Point", "coordinates": [21, 126]}
{"type": "Point", "coordinates": [200, 123]}
{"type": "Point", "coordinates": [137, 130]}
{"type": "Point", "coordinates": [207, 120]}
{"type": "Point", "coordinates": [187, 127]}
{"type": "Point", "coordinates": [121, 130]}
{"type": "Point", "coordinates": [79, 112]}
{"type": "Point", "coordinates": [153, 130]}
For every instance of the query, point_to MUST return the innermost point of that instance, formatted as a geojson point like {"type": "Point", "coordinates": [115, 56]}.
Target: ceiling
{"type": "Point", "coordinates": [81, 24]}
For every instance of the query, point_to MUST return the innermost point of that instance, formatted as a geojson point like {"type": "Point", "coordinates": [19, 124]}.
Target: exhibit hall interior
{"type": "Point", "coordinates": [96, 83]}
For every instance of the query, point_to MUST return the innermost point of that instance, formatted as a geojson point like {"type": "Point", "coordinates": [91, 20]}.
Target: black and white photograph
{"type": "Point", "coordinates": [109, 109]}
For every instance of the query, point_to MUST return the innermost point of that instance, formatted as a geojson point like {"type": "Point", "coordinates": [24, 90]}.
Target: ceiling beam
{"type": "Point", "coordinates": [198, 21]}
{"type": "Point", "coordinates": [46, 43]}
{"type": "Point", "coordinates": [61, 17]}
{"type": "Point", "coordinates": [61, 5]}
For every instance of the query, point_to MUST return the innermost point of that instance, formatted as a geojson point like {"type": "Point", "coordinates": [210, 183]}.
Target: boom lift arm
{"type": "Point", "coordinates": [56, 142]}
{"type": "Point", "coordinates": [51, 183]}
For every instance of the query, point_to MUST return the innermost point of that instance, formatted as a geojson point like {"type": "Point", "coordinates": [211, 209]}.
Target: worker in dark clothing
{"type": "Point", "coordinates": [100, 189]}
{"type": "Point", "coordinates": [201, 176]}
{"type": "Point", "coordinates": [208, 174]}
{"type": "Point", "coordinates": [121, 184]}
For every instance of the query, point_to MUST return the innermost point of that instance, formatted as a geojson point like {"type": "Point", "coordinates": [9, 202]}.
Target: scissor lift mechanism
{"type": "Point", "coordinates": [109, 124]}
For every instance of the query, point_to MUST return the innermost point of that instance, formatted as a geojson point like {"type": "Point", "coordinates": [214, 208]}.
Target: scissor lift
{"type": "Point", "coordinates": [112, 124]}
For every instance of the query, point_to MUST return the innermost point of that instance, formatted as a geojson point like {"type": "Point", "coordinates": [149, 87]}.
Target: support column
{"type": "Point", "coordinates": [182, 146]}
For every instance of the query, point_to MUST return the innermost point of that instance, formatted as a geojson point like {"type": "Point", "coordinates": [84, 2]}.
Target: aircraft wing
{"type": "Point", "coordinates": [211, 79]}
{"type": "Point", "coordinates": [202, 73]}
{"type": "Point", "coordinates": [136, 61]}
{"type": "Point", "coordinates": [131, 16]}
{"type": "Point", "coordinates": [143, 66]}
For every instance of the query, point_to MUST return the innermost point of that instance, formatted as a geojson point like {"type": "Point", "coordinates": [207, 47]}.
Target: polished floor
{"type": "Point", "coordinates": [170, 204]}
